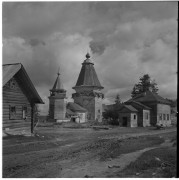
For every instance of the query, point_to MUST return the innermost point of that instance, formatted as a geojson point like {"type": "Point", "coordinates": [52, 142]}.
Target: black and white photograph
{"type": "Point", "coordinates": [89, 89]}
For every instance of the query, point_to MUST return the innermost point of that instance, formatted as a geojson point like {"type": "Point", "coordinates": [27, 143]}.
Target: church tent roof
{"type": "Point", "coordinates": [88, 76]}
{"type": "Point", "coordinates": [58, 85]}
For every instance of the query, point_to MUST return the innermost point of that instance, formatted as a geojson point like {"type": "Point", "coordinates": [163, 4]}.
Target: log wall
{"type": "Point", "coordinates": [14, 96]}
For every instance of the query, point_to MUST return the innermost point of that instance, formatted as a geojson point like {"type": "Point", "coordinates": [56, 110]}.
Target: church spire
{"type": "Point", "coordinates": [58, 85]}
{"type": "Point", "coordinates": [57, 104]}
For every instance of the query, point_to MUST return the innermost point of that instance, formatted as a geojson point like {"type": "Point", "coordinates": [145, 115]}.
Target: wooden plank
{"type": "Point", "coordinates": [14, 96]}
{"type": "Point", "coordinates": [5, 94]}
{"type": "Point", "coordinates": [16, 99]}
{"type": "Point", "coordinates": [32, 117]}
{"type": "Point", "coordinates": [17, 125]}
{"type": "Point", "coordinates": [7, 120]}
{"type": "Point", "coordinates": [12, 92]}
{"type": "Point", "coordinates": [6, 111]}
{"type": "Point", "coordinates": [16, 121]}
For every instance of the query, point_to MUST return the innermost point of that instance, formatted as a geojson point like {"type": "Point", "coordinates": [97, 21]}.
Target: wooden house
{"type": "Point", "coordinates": [160, 112]}
{"type": "Point", "coordinates": [128, 116]}
{"type": "Point", "coordinates": [19, 98]}
{"type": "Point", "coordinates": [143, 113]}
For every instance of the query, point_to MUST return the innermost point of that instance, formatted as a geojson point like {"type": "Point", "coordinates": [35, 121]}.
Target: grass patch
{"type": "Point", "coordinates": [147, 166]}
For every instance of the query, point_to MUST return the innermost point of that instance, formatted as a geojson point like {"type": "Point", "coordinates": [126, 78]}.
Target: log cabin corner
{"type": "Point", "coordinates": [19, 99]}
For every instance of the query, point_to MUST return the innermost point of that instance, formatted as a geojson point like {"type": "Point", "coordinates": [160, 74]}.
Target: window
{"type": "Point", "coordinates": [168, 117]}
{"type": "Point", "coordinates": [146, 115]}
{"type": "Point", "coordinates": [24, 112]}
{"type": "Point", "coordinates": [13, 84]}
{"type": "Point", "coordinates": [98, 110]}
{"type": "Point", "coordinates": [12, 112]}
{"type": "Point", "coordinates": [134, 116]}
{"type": "Point", "coordinates": [164, 117]}
{"type": "Point", "coordinates": [160, 116]}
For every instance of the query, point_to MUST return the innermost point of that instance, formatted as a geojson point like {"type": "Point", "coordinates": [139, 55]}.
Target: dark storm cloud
{"type": "Point", "coordinates": [127, 39]}
{"type": "Point", "coordinates": [111, 15]}
{"type": "Point", "coordinates": [98, 47]}
{"type": "Point", "coordinates": [36, 42]}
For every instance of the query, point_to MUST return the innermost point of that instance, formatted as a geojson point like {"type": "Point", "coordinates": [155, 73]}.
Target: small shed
{"type": "Point", "coordinates": [128, 116]}
{"type": "Point", "coordinates": [19, 98]}
{"type": "Point", "coordinates": [76, 112]}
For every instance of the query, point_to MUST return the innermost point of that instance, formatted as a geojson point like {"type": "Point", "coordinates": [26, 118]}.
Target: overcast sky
{"type": "Point", "coordinates": [126, 40]}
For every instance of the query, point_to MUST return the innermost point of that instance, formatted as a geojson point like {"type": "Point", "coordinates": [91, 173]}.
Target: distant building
{"type": "Point", "coordinates": [57, 103]}
{"type": "Point", "coordinates": [88, 91]}
{"type": "Point", "coordinates": [128, 116]}
{"type": "Point", "coordinates": [19, 98]}
{"type": "Point", "coordinates": [174, 112]}
{"type": "Point", "coordinates": [160, 112]}
{"type": "Point", "coordinates": [76, 112]}
{"type": "Point", "coordinates": [143, 118]}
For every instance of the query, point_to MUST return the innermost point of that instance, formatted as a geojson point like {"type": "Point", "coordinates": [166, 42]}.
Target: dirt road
{"type": "Point", "coordinates": [63, 152]}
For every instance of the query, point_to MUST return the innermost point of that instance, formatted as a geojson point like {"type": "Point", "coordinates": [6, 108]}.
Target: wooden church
{"type": "Point", "coordinates": [87, 105]}
{"type": "Point", "coordinates": [57, 103]}
{"type": "Point", "coordinates": [88, 91]}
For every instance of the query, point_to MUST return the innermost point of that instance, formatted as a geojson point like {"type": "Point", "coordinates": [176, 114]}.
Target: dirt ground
{"type": "Point", "coordinates": [58, 152]}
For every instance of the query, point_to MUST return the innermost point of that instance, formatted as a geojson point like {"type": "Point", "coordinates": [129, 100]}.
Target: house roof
{"type": "Point", "coordinates": [128, 107]}
{"type": "Point", "coordinates": [131, 108]}
{"type": "Point", "coordinates": [17, 70]}
{"type": "Point", "coordinates": [68, 111]}
{"type": "Point", "coordinates": [149, 97]}
{"type": "Point", "coordinates": [9, 70]}
{"type": "Point", "coordinates": [88, 76]}
{"type": "Point", "coordinates": [75, 107]}
{"type": "Point", "coordinates": [138, 103]}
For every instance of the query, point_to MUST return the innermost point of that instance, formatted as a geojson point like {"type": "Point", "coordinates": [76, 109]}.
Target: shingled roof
{"type": "Point", "coordinates": [149, 97]}
{"type": "Point", "coordinates": [138, 103]}
{"type": "Point", "coordinates": [17, 70]}
{"type": "Point", "coordinates": [75, 107]}
{"type": "Point", "coordinates": [129, 107]}
{"type": "Point", "coordinates": [88, 76]}
{"type": "Point", "coordinates": [58, 84]}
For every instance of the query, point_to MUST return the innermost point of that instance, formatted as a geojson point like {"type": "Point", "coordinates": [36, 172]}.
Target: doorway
{"type": "Point", "coordinates": [124, 121]}
{"type": "Point", "coordinates": [73, 119]}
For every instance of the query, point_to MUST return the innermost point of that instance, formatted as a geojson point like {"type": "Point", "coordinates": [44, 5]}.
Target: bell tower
{"type": "Point", "coordinates": [57, 104]}
{"type": "Point", "coordinates": [88, 91]}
